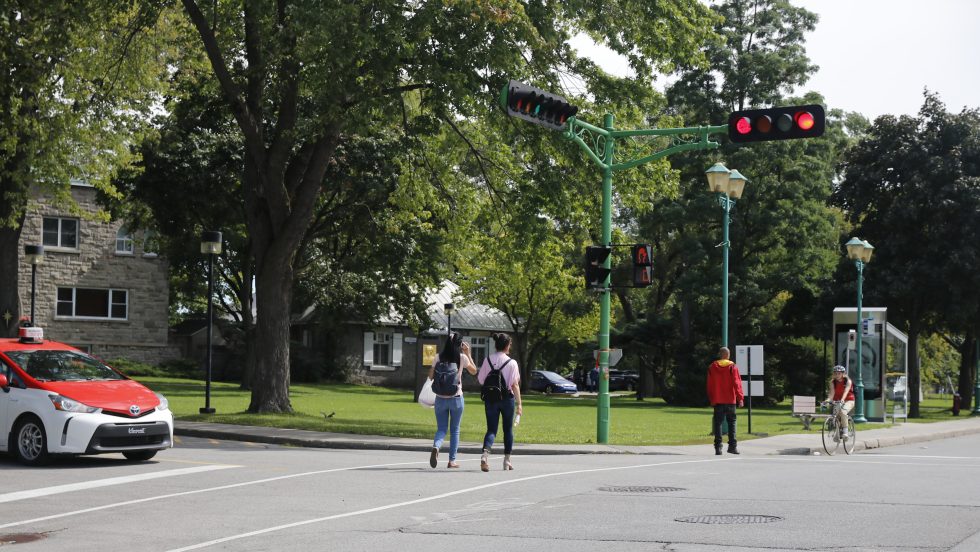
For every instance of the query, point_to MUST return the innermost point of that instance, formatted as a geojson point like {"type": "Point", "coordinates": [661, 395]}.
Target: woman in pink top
{"type": "Point", "coordinates": [505, 407]}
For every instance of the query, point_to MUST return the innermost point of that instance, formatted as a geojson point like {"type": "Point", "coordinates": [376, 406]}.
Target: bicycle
{"type": "Point", "coordinates": [833, 434]}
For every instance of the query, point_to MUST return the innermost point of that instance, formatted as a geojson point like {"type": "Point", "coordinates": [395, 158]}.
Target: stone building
{"type": "Point", "coordinates": [99, 287]}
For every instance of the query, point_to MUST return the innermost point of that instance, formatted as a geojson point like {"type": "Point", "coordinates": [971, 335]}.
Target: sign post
{"type": "Point", "coordinates": [749, 359]}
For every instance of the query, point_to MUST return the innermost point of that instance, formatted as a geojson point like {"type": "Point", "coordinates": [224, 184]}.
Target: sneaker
{"type": "Point", "coordinates": [452, 464]}
{"type": "Point", "coordinates": [507, 465]}
{"type": "Point", "coordinates": [485, 461]}
{"type": "Point", "coordinates": [434, 457]}
{"type": "Point", "coordinates": [717, 451]}
{"type": "Point", "coordinates": [733, 450]}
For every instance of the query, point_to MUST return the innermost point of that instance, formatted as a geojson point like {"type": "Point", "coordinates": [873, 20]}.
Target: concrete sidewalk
{"type": "Point", "coordinates": [802, 443]}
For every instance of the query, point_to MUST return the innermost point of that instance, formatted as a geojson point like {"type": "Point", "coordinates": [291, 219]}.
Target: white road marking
{"type": "Point", "coordinates": [428, 499]}
{"type": "Point", "coordinates": [197, 491]}
{"type": "Point", "coordinates": [58, 489]}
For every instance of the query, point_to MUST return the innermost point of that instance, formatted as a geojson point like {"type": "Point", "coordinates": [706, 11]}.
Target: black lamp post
{"type": "Point", "coordinates": [35, 254]}
{"type": "Point", "coordinates": [449, 309]}
{"type": "Point", "coordinates": [211, 246]}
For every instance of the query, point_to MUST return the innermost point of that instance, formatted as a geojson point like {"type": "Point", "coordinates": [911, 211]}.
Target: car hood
{"type": "Point", "coordinates": [116, 396]}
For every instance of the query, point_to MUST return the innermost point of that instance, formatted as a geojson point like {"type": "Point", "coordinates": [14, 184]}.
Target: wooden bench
{"type": "Point", "coordinates": [805, 408]}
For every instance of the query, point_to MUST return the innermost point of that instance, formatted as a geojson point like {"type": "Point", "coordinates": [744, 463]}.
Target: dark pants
{"type": "Point", "coordinates": [724, 412]}
{"type": "Point", "coordinates": [496, 410]}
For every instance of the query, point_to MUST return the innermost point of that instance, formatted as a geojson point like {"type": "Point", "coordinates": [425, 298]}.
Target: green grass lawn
{"type": "Point", "coordinates": [547, 419]}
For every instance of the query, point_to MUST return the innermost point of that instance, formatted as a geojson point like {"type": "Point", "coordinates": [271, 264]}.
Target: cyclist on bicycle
{"type": "Point", "coordinates": [841, 389]}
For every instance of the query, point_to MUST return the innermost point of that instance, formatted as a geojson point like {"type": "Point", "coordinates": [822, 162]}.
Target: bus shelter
{"type": "Point", "coordinates": [884, 364]}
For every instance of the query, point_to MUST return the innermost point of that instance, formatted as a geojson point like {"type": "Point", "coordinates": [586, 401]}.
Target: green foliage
{"type": "Point", "coordinates": [178, 368]}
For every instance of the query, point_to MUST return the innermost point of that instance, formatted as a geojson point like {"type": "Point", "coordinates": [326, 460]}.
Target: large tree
{"type": "Point", "coordinates": [300, 76]}
{"type": "Point", "coordinates": [80, 78]}
{"type": "Point", "coordinates": [912, 188]}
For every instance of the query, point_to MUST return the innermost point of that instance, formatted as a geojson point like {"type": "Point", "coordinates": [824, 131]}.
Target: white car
{"type": "Point", "coordinates": [55, 399]}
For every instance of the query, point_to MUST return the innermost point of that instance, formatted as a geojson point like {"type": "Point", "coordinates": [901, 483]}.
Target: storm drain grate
{"type": "Point", "coordinates": [729, 519]}
{"type": "Point", "coordinates": [640, 489]}
{"type": "Point", "coordinates": [19, 538]}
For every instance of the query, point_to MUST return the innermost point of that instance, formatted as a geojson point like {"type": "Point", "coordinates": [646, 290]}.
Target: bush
{"type": "Point", "coordinates": [135, 369]}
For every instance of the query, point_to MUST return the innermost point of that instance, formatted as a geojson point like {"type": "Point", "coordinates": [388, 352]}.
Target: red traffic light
{"type": "Point", "coordinates": [777, 123]}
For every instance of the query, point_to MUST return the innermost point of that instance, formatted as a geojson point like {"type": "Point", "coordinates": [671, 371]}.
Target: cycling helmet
{"type": "Point", "coordinates": [839, 368]}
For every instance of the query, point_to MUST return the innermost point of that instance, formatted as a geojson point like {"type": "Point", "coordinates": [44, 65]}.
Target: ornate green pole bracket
{"type": "Point", "coordinates": [599, 145]}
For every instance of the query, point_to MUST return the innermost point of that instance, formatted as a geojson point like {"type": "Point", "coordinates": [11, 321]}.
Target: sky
{"type": "Point", "coordinates": [877, 56]}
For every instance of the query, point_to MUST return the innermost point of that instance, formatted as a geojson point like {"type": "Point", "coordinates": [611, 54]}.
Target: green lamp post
{"type": "Point", "coordinates": [728, 184]}
{"type": "Point", "coordinates": [859, 251]}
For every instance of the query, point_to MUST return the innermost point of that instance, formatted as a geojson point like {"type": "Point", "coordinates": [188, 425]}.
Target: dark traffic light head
{"type": "Point", "coordinates": [776, 123]}
{"type": "Point", "coordinates": [535, 105]}
{"type": "Point", "coordinates": [595, 273]}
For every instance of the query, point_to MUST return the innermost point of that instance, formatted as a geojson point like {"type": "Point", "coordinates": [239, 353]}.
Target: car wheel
{"type": "Point", "coordinates": [139, 455]}
{"type": "Point", "coordinates": [549, 390]}
{"type": "Point", "coordinates": [30, 442]}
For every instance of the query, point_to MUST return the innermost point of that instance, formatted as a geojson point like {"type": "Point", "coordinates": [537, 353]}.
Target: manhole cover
{"type": "Point", "coordinates": [18, 538]}
{"type": "Point", "coordinates": [729, 519]}
{"type": "Point", "coordinates": [640, 489]}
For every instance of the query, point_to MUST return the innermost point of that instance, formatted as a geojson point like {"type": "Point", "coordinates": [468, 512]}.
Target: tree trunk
{"type": "Point", "coordinates": [270, 380]}
{"type": "Point", "coordinates": [10, 307]}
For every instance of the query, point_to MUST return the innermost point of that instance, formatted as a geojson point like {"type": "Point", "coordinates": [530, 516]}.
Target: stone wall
{"type": "Point", "coordinates": [142, 336]}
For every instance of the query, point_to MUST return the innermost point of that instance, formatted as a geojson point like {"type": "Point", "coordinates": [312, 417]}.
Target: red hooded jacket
{"type": "Point", "coordinates": [724, 383]}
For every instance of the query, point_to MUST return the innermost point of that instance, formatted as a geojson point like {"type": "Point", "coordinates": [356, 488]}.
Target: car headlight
{"type": "Point", "coordinates": [69, 405]}
{"type": "Point", "coordinates": [164, 403]}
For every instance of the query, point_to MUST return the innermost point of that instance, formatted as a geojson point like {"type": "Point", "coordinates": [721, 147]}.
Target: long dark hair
{"type": "Point", "coordinates": [452, 349]}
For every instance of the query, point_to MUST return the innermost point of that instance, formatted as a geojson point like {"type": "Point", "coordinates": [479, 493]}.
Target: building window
{"type": "Point", "coordinates": [478, 348]}
{"type": "Point", "coordinates": [151, 243]}
{"type": "Point", "coordinates": [60, 232]}
{"type": "Point", "coordinates": [124, 242]}
{"type": "Point", "coordinates": [112, 304]}
{"type": "Point", "coordinates": [382, 348]}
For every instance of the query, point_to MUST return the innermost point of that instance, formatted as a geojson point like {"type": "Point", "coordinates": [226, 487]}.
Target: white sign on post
{"type": "Point", "coordinates": [749, 354]}
{"type": "Point", "coordinates": [757, 389]}
{"type": "Point", "coordinates": [615, 355]}
{"type": "Point", "coordinates": [749, 359]}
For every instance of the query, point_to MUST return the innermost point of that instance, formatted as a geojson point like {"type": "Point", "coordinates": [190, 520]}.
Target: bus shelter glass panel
{"type": "Point", "coordinates": [896, 373]}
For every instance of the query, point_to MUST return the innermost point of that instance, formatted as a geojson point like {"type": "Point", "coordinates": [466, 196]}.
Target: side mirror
{"type": "Point", "coordinates": [4, 384]}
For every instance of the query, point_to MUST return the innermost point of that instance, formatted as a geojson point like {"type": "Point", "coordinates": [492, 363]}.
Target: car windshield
{"type": "Point", "coordinates": [552, 376]}
{"type": "Point", "coordinates": [62, 366]}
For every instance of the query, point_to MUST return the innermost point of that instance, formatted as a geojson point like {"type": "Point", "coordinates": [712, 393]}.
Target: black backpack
{"type": "Point", "coordinates": [495, 385]}
{"type": "Point", "coordinates": [444, 380]}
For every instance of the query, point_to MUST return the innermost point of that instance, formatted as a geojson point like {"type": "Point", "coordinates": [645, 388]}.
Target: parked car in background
{"type": "Point", "coordinates": [550, 382]}
{"type": "Point", "coordinates": [623, 380]}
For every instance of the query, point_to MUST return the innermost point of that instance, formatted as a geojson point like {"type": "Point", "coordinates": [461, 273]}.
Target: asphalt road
{"type": "Point", "coordinates": [219, 495]}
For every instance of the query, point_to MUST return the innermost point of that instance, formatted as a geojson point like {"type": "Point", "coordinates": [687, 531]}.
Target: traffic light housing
{"type": "Point", "coordinates": [776, 123]}
{"type": "Point", "coordinates": [642, 265]}
{"type": "Point", "coordinates": [595, 273]}
{"type": "Point", "coordinates": [535, 105]}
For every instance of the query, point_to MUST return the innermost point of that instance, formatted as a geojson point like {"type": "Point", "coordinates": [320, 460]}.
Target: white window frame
{"type": "Point", "coordinates": [479, 343]}
{"type": "Point", "coordinates": [59, 245]}
{"type": "Point", "coordinates": [124, 242]}
{"type": "Point", "coordinates": [389, 338]}
{"type": "Point", "coordinates": [114, 297]}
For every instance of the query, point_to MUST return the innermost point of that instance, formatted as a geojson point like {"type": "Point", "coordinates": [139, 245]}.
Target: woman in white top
{"type": "Point", "coordinates": [505, 407]}
{"type": "Point", "coordinates": [449, 408]}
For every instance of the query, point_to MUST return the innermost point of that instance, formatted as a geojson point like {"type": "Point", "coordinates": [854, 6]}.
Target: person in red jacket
{"type": "Point", "coordinates": [724, 393]}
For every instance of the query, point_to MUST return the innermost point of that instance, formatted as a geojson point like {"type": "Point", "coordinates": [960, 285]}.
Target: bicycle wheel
{"type": "Point", "coordinates": [830, 438]}
{"type": "Point", "coordinates": [850, 436]}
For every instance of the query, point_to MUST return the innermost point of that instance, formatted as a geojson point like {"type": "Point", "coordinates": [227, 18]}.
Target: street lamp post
{"type": "Point", "coordinates": [34, 254]}
{"type": "Point", "coordinates": [210, 246]}
{"type": "Point", "coordinates": [859, 251]}
{"type": "Point", "coordinates": [449, 309]}
{"type": "Point", "coordinates": [728, 185]}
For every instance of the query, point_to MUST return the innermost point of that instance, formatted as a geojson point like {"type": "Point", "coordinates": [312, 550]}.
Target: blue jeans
{"type": "Point", "coordinates": [494, 411]}
{"type": "Point", "coordinates": [449, 412]}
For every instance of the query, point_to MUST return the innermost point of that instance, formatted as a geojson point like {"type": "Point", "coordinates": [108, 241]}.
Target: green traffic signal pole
{"type": "Point", "coordinates": [599, 145]}
{"type": "Point", "coordinates": [976, 389]}
{"type": "Point", "coordinates": [726, 204]}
